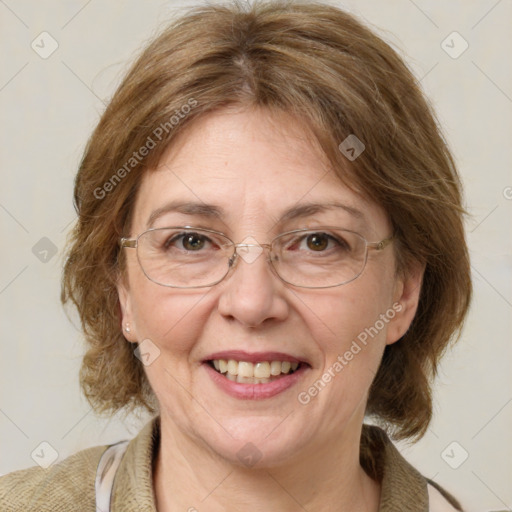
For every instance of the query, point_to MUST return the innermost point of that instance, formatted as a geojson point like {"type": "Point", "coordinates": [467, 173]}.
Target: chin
{"type": "Point", "coordinates": [256, 442]}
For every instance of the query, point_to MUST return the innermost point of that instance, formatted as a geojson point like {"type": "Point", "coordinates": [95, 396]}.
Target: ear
{"type": "Point", "coordinates": [406, 300]}
{"type": "Point", "coordinates": [127, 322]}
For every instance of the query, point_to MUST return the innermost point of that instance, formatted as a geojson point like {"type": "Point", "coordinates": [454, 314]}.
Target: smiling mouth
{"type": "Point", "coordinates": [263, 372]}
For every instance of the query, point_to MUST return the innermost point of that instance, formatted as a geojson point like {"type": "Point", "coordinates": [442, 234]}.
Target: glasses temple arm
{"type": "Point", "coordinates": [380, 245]}
{"type": "Point", "coordinates": [131, 243]}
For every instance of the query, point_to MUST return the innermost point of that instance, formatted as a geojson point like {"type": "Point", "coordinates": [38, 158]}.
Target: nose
{"type": "Point", "coordinates": [252, 294]}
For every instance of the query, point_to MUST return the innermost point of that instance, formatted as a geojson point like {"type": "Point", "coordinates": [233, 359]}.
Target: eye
{"type": "Point", "coordinates": [193, 242]}
{"type": "Point", "coordinates": [321, 242]}
{"type": "Point", "coordinates": [317, 241]}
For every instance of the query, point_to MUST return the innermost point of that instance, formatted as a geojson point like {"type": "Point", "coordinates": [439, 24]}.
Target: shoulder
{"type": "Point", "coordinates": [402, 486]}
{"type": "Point", "coordinates": [70, 486]}
{"type": "Point", "coordinates": [66, 486]}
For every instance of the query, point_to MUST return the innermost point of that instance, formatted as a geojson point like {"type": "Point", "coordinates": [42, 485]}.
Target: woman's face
{"type": "Point", "coordinates": [243, 172]}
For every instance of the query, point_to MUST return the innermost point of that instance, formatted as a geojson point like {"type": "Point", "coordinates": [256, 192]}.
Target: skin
{"type": "Point", "coordinates": [254, 165]}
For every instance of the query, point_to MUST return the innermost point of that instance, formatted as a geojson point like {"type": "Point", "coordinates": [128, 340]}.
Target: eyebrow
{"type": "Point", "coordinates": [188, 208]}
{"type": "Point", "coordinates": [211, 211]}
{"type": "Point", "coordinates": [305, 210]}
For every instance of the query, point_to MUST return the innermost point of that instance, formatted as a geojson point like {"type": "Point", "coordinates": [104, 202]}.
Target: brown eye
{"type": "Point", "coordinates": [193, 242]}
{"type": "Point", "coordinates": [317, 242]}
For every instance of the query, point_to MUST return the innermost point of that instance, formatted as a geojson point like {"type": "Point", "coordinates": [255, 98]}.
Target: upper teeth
{"type": "Point", "coordinates": [261, 370]}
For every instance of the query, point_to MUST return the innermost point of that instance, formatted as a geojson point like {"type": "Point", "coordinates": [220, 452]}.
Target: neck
{"type": "Point", "coordinates": [325, 477]}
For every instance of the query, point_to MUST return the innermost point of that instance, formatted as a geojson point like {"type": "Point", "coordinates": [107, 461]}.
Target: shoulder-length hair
{"type": "Point", "coordinates": [338, 78]}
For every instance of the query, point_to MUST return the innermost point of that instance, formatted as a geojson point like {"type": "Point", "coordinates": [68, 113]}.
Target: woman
{"type": "Point", "coordinates": [269, 248]}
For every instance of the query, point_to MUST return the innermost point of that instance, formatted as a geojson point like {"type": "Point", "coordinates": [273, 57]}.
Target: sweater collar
{"type": "Point", "coordinates": [402, 486]}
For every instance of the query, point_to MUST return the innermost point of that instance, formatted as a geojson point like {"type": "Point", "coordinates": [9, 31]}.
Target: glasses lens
{"type": "Point", "coordinates": [319, 258]}
{"type": "Point", "coordinates": [183, 257]}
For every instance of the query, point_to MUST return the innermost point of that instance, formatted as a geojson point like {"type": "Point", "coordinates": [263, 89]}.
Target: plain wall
{"type": "Point", "coordinates": [49, 108]}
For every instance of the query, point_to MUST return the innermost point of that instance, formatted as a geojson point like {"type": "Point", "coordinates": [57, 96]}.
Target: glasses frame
{"type": "Point", "coordinates": [133, 243]}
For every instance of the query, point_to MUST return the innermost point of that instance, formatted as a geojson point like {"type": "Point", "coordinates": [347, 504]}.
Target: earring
{"type": "Point", "coordinates": [127, 328]}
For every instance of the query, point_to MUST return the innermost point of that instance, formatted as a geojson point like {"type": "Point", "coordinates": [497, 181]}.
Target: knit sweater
{"type": "Point", "coordinates": [69, 486]}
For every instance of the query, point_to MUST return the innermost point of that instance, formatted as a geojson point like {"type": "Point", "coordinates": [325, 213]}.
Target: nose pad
{"type": "Point", "coordinates": [249, 249]}
{"type": "Point", "coordinates": [232, 261]}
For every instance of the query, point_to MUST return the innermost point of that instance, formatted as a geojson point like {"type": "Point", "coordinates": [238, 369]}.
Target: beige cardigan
{"type": "Point", "coordinates": [69, 486]}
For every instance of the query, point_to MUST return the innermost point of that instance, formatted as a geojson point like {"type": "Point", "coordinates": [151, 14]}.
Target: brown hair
{"type": "Point", "coordinates": [338, 78]}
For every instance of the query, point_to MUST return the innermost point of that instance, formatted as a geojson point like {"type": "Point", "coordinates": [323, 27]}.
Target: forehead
{"type": "Point", "coordinates": [252, 167]}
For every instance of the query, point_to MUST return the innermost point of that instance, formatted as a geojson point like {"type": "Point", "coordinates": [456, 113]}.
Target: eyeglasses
{"type": "Point", "coordinates": [187, 257]}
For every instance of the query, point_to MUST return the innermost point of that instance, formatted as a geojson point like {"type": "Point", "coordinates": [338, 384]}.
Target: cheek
{"type": "Point", "coordinates": [172, 319]}
{"type": "Point", "coordinates": [349, 327]}
{"type": "Point", "coordinates": [351, 336]}
{"type": "Point", "coordinates": [338, 318]}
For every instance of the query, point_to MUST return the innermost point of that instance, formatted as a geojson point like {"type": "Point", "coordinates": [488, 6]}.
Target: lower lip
{"type": "Point", "coordinates": [254, 391]}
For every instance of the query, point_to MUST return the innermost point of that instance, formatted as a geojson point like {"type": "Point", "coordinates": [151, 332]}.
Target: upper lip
{"type": "Point", "coordinates": [253, 357]}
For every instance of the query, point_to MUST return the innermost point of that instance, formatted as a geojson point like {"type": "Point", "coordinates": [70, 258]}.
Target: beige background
{"type": "Point", "coordinates": [49, 107]}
